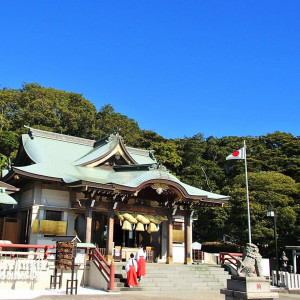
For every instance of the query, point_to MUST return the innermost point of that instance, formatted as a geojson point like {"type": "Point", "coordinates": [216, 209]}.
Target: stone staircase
{"type": "Point", "coordinates": [175, 277]}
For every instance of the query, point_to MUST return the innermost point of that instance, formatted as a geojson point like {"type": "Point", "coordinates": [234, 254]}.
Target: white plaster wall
{"type": "Point", "coordinates": [55, 198]}
{"type": "Point", "coordinates": [178, 253]}
{"type": "Point", "coordinates": [26, 199]}
{"type": "Point", "coordinates": [71, 223]}
{"type": "Point", "coordinates": [211, 258]}
{"type": "Point", "coordinates": [265, 266]}
{"type": "Point", "coordinates": [95, 279]}
{"type": "Point", "coordinates": [35, 215]}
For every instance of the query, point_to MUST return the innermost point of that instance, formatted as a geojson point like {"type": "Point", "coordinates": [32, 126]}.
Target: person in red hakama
{"type": "Point", "coordinates": [140, 258]}
{"type": "Point", "coordinates": [131, 269]}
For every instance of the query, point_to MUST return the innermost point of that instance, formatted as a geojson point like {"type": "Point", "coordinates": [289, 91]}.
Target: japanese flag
{"type": "Point", "coordinates": [239, 154]}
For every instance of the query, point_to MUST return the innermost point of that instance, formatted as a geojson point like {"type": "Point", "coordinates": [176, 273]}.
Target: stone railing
{"type": "Point", "coordinates": [290, 281]}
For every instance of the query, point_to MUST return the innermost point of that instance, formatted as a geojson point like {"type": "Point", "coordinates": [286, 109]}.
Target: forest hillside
{"type": "Point", "coordinates": [273, 161]}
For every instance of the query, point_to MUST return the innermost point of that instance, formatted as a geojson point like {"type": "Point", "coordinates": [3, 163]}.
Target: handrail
{"type": "Point", "coordinates": [232, 258]}
{"type": "Point", "coordinates": [28, 246]}
{"type": "Point", "coordinates": [102, 264]}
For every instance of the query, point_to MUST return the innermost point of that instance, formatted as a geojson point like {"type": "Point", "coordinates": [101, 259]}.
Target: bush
{"type": "Point", "coordinates": [217, 247]}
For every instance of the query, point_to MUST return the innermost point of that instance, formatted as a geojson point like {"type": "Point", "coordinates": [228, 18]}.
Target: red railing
{"type": "Point", "coordinates": [26, 246]}
{"type": "Point", "coordinates": [231, 258]}
{"type": "Point", "coordinates": [103, 265]}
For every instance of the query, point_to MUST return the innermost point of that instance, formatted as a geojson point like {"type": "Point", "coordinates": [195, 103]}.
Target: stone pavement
{"type": "Point", "coordinates": [92, 294]}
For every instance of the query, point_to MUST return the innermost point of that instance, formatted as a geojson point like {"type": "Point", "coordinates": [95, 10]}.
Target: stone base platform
{"type": "Point", "coordinates": [257, 288]}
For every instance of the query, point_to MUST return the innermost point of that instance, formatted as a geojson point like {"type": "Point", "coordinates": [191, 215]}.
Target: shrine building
{"type": "Point", "coordinates": [105, 192]}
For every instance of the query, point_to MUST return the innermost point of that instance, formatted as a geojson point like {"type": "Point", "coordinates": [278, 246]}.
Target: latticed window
{"type": "Point", "coordinates": [53, 215]}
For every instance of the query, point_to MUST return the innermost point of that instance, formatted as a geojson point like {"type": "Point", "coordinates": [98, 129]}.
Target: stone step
{"type": "Point", "coordinates": [124, 289]}
{"type": "Point", "coordinates": [183, 267]}
{"type": "Point", "coordinates": [184, 274]}
{"type": "Point", "coordinates": [173, 278]}
{"type": "Point", "coordinates": [170, 288]}
{"type": "Point", "coordinates": [182, 284]}
{"type": "Point", "coordinates": [178, 280]}
{"type": "Point", "coordinates": [163, 289]}
{"type": "Point", "coordinates": [172, 266]}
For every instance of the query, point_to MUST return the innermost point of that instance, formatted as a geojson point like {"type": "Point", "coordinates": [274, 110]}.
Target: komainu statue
{"type": "Point", "coordinates": [250, 265]}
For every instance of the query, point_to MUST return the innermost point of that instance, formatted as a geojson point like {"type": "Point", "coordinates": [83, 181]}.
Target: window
{"type": "Point", "coordinates": [177, 225]}
{"type": "Point", "coordinates": [53, 215]}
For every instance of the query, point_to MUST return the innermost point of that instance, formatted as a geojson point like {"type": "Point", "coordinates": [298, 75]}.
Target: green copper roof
{"type": "Point", "coordinates": [41, 149]}
{"type": "Point", "coordinates": [97, 152]}
{"type": "Point", "coordinates": [62, 158]}
{"type": "Point", "coordinates": [6, 199]}
{"type": "Point", "coordinates": [43, 146]}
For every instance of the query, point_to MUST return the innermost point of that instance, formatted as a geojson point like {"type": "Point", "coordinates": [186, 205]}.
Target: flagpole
{"type": "Point", "coordinates": [247, 191]}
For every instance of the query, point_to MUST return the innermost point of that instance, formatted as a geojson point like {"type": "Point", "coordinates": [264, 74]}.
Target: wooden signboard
{"type": "Point", "coordinates": [65, 255]}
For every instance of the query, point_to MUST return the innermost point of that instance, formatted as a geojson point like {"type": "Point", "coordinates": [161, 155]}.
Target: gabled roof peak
{"type": "Point", "coordinates": [107, 139]}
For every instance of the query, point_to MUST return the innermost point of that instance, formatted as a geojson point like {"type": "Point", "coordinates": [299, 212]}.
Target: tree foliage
{"type": "Point", "coordinates": [107, 120]}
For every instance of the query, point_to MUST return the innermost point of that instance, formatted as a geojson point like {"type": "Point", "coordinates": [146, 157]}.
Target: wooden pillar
{"type": "Point", "coordinates": [123, 238]}
{"type": "Point", "coordinates": [170, 239]}
{"type": "Point", "coordinates": [88, 222]}
{"type": "Point", "coordinates": [110, 235]}
{"type": "Point", "coordinates": [71, 214]}
{"type": "Point", "coordinates": [187, 238]}
{"type": "Point", "coordinates": [135, 236]}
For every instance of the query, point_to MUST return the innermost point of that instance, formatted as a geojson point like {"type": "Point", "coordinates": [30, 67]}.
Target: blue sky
{"type": "Point", "coordinates": [221, 68]}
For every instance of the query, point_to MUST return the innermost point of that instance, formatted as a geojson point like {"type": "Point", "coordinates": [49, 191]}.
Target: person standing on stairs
{"type": "Point", "coordinates": [131, 269]}
{"type": "Point", "coordinates": [141, 258]}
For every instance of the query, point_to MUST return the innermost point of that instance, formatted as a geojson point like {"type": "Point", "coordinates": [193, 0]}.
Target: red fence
{"type": "Point", "coordinates": [231, 258]}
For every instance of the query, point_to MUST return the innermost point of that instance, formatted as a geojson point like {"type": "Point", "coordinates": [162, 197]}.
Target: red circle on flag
{"type": "Point", "coordinates": [236, 153]}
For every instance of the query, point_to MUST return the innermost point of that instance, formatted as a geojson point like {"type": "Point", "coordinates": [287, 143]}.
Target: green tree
{"type": "Point", "coordinates": [147, 138]}
{"type": "Point", "coordinates": [77, 116]}
{"type": "Point", "coordinates": [268, 190]}
{"type": "Point", "coordinates": [8, 108]}
{"type": "Point", "coordinates": [196, 169]}
{"type": "Point", "coordinates": [166, 153]}
{"type": "Point", "coordinates": [107, 120]}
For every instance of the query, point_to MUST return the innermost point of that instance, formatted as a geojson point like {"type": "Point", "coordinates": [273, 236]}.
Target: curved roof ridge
{"type": "Point", "coordinates": [150, 175]}
{"type": "Point", "coordinates": [59, 136]}
{"type": "Point", "coordinates": [195, 191]}
{"type": "Point", "coordinates": [139, 151]}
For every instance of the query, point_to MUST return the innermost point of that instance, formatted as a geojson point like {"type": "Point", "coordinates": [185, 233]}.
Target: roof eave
{"type": "Point", "coordinates": [16, 171]}
{"type": "Point", "coordinates": [113, 186]}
